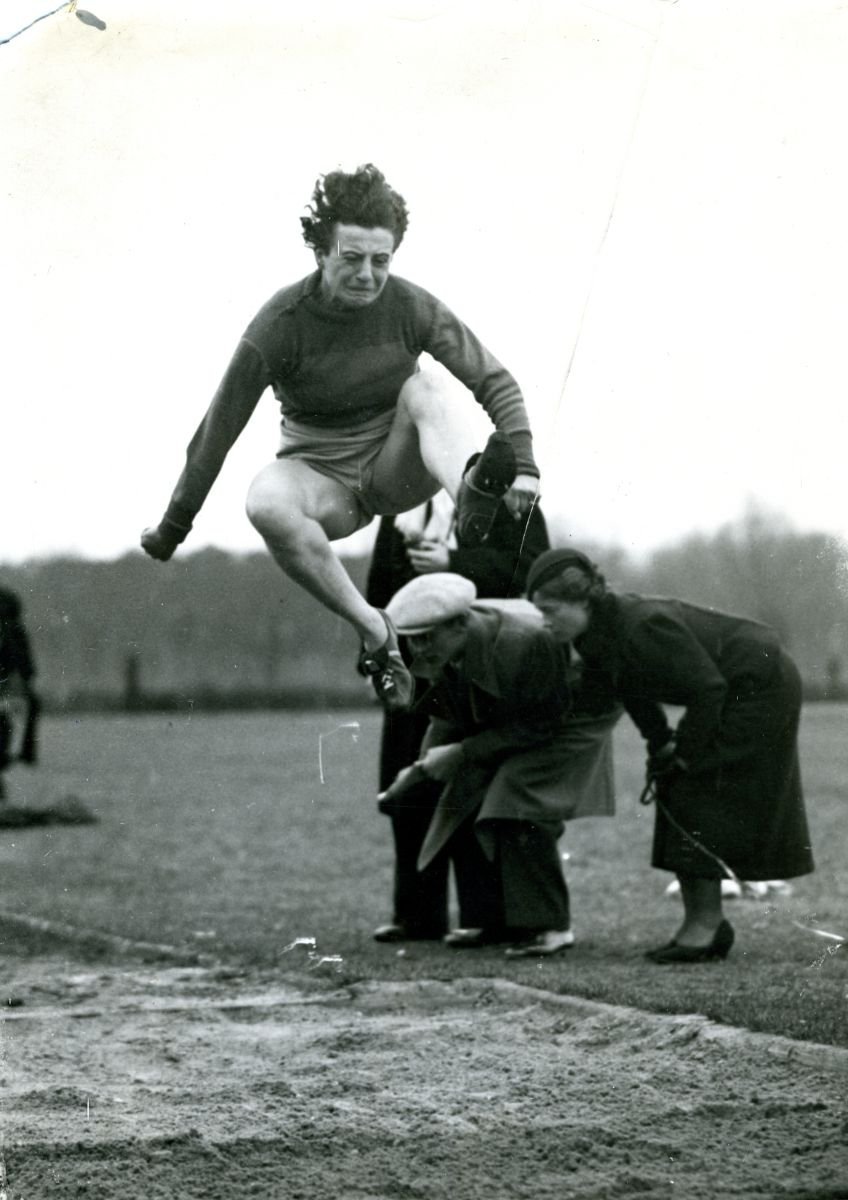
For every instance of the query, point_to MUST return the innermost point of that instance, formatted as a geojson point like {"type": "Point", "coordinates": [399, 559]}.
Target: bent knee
{"type": "Point", "coordinates": [270, 511]}
{"type": "Point", "coordinates": [286, 499]}
{"type": "Point", "coordinates": [422, 395]}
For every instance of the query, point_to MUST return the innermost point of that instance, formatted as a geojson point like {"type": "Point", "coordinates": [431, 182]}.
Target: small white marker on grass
{"type": "Point", "coordinates": [354, 725]}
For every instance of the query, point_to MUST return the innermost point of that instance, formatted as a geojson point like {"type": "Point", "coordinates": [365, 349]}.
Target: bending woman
{"type": "Point", "coordinates": [728, 778]}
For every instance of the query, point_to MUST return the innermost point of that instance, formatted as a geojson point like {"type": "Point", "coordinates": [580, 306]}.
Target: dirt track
{"type": "Point", "coordinates": [149, 1083]}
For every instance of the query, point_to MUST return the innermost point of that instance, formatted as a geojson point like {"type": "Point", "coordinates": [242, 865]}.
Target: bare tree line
{"type": "Point", "coordinates": [214, 629]}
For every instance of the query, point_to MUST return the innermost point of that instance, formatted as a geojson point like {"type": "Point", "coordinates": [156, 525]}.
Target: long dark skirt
{"type": "Point", "coordinates": [750, 811]}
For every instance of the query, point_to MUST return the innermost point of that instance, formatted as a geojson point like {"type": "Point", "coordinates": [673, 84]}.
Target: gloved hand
{"type": "Point", "coordinates": [160, 541]}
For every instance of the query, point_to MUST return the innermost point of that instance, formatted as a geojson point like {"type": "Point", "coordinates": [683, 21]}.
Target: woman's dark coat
{"type": "Point", "coordinates": [741, 794]}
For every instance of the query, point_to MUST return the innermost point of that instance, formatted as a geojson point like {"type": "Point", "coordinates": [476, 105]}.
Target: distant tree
{"type": "Point", "coordinates": [760, 567]}
{"type": "Point", "coordinates": [212, 624]}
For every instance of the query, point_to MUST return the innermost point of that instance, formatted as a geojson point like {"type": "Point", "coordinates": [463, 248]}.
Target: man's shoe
{"type": "Point", "coordinates": [487, 479]}
{"type": "Point", "coordinates": [472, 939]}
{"type": "Point", "coordinates": [541, 945]}
{"type": "Point", "coordinates": [403, 933]}
{"type": "Point", "coordinates": [390, 933]}
{"type": "Point", "coordinates": [392, 682]}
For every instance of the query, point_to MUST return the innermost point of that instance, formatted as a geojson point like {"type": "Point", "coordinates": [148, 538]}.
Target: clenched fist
{"type": "Point", "coordinates": [159, 543]}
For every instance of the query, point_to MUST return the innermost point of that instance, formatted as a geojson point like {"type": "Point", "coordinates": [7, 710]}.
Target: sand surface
{"type": "Point", "coordinates": [146, 1083]}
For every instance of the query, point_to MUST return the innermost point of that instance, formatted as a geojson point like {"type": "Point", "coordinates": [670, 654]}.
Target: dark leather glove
{"type": "Point", "coordinates": [160, 541]}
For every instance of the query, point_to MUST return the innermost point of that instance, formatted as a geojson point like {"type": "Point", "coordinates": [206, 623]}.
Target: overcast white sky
{"type": "Point", "coordinates": [153, 174]}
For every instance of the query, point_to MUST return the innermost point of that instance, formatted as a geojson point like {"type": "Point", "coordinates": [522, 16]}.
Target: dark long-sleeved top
{"type": "Point", "coordinates": [507, 694]}
{"type": "Point", "coordinates": [657, 651]}
{"type": "Point", "coordinates": [335, 367]}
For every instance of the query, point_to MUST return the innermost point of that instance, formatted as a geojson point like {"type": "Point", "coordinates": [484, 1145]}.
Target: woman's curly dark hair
{"type": "Point", "coordinates": [361, 198]}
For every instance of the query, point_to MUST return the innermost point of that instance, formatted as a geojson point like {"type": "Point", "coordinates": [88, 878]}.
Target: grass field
{"type": "Point", "coordinates": [237, 834]}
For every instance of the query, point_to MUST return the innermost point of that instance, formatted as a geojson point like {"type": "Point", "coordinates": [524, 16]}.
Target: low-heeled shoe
{"type": "Point", "coordinates": [541, 945]}
{"type": "Point", "coordinates": [718, 948]}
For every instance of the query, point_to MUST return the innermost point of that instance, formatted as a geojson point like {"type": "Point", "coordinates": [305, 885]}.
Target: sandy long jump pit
{"type": "Point", "coordinates": [146, 1083]}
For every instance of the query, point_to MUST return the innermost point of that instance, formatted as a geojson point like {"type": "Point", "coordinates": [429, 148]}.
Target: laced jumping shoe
{"type": "Point", "coordinates": [387, 671]}
{"type": "Point", "coordinates": [541, 945]}
{"type": "Point", "coordinates": [487, 479]}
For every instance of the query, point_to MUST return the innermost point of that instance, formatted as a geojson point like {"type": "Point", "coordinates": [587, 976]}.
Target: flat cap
{"type": "Point", "coordinates": [430, 599]}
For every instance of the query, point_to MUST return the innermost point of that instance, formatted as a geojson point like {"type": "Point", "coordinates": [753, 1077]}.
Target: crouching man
{"type": "Point", "coordinates": [498, 740]}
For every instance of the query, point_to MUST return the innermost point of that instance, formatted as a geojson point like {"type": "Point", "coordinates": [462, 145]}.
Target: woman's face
{"type": "Point", "coordinates": [565, 619]}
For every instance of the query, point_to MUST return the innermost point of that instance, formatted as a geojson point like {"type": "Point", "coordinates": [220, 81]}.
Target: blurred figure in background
{"type": "Point", "coordinates": [19, 705]}
{"type": "Point", "coordinates": [418, 543]}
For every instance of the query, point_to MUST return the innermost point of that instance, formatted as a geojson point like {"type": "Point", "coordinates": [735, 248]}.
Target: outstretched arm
{"type": "Point", "coordinates": [245, 380]}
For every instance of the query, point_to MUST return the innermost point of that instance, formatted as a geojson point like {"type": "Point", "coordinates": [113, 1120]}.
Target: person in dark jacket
{"type": "Point", "coordinates": [17, 675]}
{"type": "Point", "coordinates": [419, 543]}
{"type": "Point", "coordinates": [728, 778]}
{"type": "Point", "coordinates": [498, 745]}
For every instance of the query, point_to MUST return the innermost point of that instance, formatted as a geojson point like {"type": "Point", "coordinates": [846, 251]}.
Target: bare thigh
{"type": "Point", "coordinates": [399, 480]}
{"type": "Point", "coordinates": [427, 446]}
{"type": "Point", "coordinates": [288, 491]}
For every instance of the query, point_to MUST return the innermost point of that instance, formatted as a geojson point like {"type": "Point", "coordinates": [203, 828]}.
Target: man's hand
{"type": "Point", "coordinates": [427, 556]}
{"type": "Point", "coordinates": [521, 496]}
{"type": "Point", "coordinates": [665, 762]}
{"type": "Point", "coordinates": [442, 762]}
{"type": "Point", "coordinates": [406, 778]}
{"type": "Point", "coordinates": [158, 543]}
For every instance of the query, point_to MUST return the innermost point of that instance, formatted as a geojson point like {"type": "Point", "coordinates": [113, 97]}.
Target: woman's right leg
{"type": "Point", "coordinates": [702, 911]}
{"type": "Point", "coordinates": [298, 512]}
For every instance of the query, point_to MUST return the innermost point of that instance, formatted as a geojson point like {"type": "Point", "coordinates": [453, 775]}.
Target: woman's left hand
{"type": "Point", "coordinates": [665, 762]}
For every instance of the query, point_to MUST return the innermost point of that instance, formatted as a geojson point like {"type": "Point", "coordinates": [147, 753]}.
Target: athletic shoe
{"type": "Point", "coordinates": [392, 682]}
{"type": "Point", "coordinates": [488, 477]}
{"type": "Point", "coordinates": [730, 889]}
{"type": "Point", "coordinates": [780, 887]}
{"type": "Point", "coordinates": [761, 889]}
{"type": "Point", "coordinates": [541, 945]}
